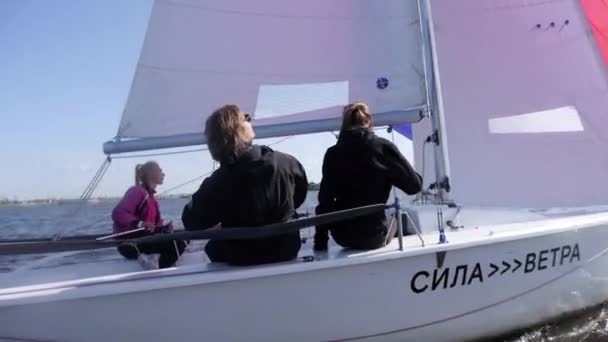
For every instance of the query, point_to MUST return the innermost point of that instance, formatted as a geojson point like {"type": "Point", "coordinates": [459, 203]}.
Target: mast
{"type": "Point", "coordinates": [436, 108]}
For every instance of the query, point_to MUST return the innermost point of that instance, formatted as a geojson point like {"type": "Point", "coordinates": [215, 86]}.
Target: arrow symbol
{"type": "Point", "coordinates": [518, 265]}
{"type": "Point", "coordinates": [504, 263]}
{"type": "Point", "coordinates": [494, 269]}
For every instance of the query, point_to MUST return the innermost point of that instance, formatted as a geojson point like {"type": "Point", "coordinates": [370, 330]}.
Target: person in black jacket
{"type": "Point", "coordinates": [254, 186]}
{"type": "Point", "coordinates": [360, 170]}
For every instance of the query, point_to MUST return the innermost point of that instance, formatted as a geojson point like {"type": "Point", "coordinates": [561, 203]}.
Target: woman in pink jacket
{"type": "Point", "coordinates": [139, 209]}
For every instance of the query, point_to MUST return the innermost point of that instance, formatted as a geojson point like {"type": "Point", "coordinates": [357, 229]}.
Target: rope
{"type": "Point", "coordinates": [425, 193]}
{"type": "Point", "coordinates": [236, 233]}
{"type": "Point", "coordinates": [213, 168]}
{"type": "Point", "coordinates": [395, 191]}
{"type": "Point", "coordinates": [415, 228]}
{"type": "Point", "coordinates": [86, 194]}
{"type": "Point", "coordinates": [393, 138]}
{"type": "Point", "coordinates": [423, 161]}
{"type": "Point", "coordinates": [280, 141]}
{"type": "Point", "coordinates": [88, 191]}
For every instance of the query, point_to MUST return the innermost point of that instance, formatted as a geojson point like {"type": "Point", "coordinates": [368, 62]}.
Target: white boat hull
{"type": "Point", "coordinates": [551, 267]}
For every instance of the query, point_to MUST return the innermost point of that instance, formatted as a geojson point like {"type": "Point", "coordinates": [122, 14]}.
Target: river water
{"type": "Point", "coordinates": [19, 222]}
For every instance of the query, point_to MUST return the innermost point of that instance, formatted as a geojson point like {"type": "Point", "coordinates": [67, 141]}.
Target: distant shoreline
{"type": "Point", "coordinates": [61, 201]}
{"type": "Point", "coordinates": [312, 186]}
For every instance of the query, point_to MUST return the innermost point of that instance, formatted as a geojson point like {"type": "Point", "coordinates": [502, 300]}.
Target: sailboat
{"type": "Point", "coordinates": [509, 97]}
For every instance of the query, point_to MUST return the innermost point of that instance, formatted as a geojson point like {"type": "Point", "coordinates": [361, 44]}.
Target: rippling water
{"type": "Point", "coordinates": [20, 222]}
{"type": "Point", "coordinates": [589, 325]}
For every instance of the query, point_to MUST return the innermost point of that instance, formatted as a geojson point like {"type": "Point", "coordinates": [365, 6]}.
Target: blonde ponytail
{"type": "Point", "coordinates": [138, 175]}
{"type": "Point", "coordinates": [142, 171]}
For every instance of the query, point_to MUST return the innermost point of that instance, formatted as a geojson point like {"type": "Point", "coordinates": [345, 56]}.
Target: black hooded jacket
{"type": "Point", "coordinates": [360, 170]}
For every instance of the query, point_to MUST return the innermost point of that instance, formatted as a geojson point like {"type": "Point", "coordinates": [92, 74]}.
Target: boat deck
{"type": "Point", "coordinates": [193, 260]}
{"type": "Point", "coordinates": [110, 266]}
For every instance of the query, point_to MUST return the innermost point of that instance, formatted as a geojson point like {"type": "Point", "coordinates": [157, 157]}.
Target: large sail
{"type": "Point", "coordinates": [284, 61]}
{"type": "Point", "coordinates": [525, 92]}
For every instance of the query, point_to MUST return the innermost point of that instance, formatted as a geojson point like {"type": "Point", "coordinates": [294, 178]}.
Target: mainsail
{"type": "Point", "coordinates": [293, 64]}
{"type": "Point", "coordinates": [525, 92]}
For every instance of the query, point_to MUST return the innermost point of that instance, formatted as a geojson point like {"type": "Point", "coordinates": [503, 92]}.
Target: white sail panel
{"type": "Point", "coordinates": [286, 99]}
{"type": "Point", "coordinates": [502, 59]}
{"type": "Point", "coordinates": [200, 55]}
{"type": "Point", "coordinates": [565, 119]}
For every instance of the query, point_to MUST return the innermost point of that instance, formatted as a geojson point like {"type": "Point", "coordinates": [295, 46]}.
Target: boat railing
{"type": "Point", "coordinates": [33, 246]}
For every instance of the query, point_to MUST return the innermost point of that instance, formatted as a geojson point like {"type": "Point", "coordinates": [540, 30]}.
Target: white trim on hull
{"type": "Point", "coordinates": [380, 295]}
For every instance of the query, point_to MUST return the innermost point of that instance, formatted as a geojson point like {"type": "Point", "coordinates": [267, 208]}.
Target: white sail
{"type": "Point", "coordinates": [284, 61]}
{"type": "Point", "coordinates": [526, 103]}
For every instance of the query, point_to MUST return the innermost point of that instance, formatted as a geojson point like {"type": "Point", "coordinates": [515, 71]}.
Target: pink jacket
{"type": "Point", "coordinates": [137, 205]}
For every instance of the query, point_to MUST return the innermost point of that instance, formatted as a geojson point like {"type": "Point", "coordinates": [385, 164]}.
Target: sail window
{"type": "Point", "coordinates": [284, 99]}
{"type": "Point", "coordinates": [563, 119]}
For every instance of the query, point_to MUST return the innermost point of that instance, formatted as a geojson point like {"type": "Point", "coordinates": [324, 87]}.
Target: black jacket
{"type": "Point", "coordinates": [261, 187]}
{"type": "Point", "coordinates": [360, 170]}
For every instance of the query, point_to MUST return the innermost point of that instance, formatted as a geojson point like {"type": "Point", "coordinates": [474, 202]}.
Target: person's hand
{"type": "Point", "coordinates": [167, 228]}
{"type": "Point", "coordinates": [151, 227]}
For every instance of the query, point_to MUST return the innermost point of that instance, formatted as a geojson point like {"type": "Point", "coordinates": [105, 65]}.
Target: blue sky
{"type": "Point", "coordinates": [65, 72]}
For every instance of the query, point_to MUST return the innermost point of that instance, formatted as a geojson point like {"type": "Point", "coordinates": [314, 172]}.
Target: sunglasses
{"type": "Point", "coordinates": [247, 117]}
